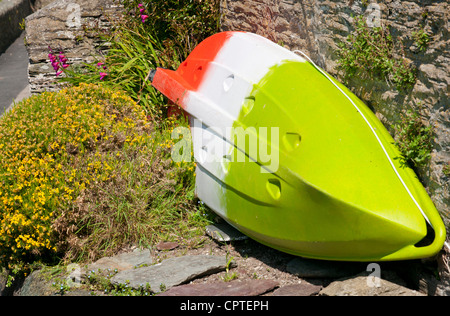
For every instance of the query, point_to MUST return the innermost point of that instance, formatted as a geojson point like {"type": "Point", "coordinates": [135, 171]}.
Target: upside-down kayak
{"type": "Point", "coordinates": [290, 157]}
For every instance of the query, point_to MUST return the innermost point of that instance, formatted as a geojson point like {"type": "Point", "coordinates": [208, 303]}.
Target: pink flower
{"type": "Point", "coordinates": [103, 75]}
{"type": "Point", "coordinates": [58, 63]}
{"type": "Point", "coordinates": [140, 5]}
{"type": "Point", "coordinates": [100, 64]}
{"type": "Point", "coordinates": [53, 60]}
{"type": "Point", "coordinates": [144, 17]}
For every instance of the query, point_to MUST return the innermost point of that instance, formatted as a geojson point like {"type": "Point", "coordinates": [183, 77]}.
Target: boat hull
{"type": "Point", "coordinates": [290, 157]}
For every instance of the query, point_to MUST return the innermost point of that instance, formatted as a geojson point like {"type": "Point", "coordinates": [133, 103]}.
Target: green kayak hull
{"type": "Point", "coordinates": [307, 169]}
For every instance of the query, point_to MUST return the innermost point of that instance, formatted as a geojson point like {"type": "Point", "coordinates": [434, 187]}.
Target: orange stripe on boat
{"type": "Point", "coordinates": [190, 74]}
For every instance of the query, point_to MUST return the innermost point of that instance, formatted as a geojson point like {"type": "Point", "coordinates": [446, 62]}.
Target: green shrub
{"type": "Point", "coordinates": [446, 169]}
{"type": "Point", "coordinates": [369, 53]}
{"type": "Point", "coordinates": [421, 39]}
{"type": "Point", "coordinates": [414, 139]}
{"type": "Point", "coordinates": [83, 173]}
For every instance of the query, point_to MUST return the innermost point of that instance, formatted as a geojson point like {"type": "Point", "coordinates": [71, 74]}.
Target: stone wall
{"type": "Point", "coordinates": [317, 26]}
{"type": "Point", "coordinates": [71, 26]}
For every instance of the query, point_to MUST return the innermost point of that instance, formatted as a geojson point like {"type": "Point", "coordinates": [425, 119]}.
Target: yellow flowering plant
{"type": "Point", "coordinates": [83, 173]}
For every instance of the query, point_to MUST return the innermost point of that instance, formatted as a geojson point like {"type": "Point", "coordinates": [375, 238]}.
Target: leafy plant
{"type": "Point", "coordinates": [414, 139]}
{"type": "Point", "coordinates": [446, 170]}
{"type": "Point", "coordinates": [370, 53]}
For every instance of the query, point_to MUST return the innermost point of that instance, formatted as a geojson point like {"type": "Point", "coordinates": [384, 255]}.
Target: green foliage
{"type": "Point", "coordinates": [164, 39]}
{"type": "Point", "coordinates": [414, 139]}
{"type": "Point", "coordinates": [100, 281]}
{"type": "Point", "coordinates": [446, 170]}
{"type": "Point", "coordinates": [421, 39]}
{"type": "Point", "coordinates": [179, 24]}
{"type": "Point", "coordinates": [83, 173]}
{"type": "Point", "coordinates": [369, 53]}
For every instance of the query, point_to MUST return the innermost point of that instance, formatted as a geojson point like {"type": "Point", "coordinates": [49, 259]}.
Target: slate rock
{"type": "Point", "coordinates": [165, 245]}
{"type": "Point", "coordinates": [36, 284]}
{"type": "Point", "coordinates": [171, 272]}
{"type": "Point", "coordinates": [233, 288]}
{"type": "Point", "coordinates": [124, 261]}
{"type": "Point", "coordinates": [308, 268]}
{"type": "Point", "coordinates": [302, 289]}
{"type": "Point", "coordinates": [361, 285]}
{"type": "Point", "coordinates": [3, 282]}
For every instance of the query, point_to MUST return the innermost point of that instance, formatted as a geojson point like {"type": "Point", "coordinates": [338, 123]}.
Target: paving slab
{"type": "Point", "coordinates": [171, 272]}
{"type": "Point", "coordinates": [124, 261]}
{"type": "Point", "coordinates": [233, 288]}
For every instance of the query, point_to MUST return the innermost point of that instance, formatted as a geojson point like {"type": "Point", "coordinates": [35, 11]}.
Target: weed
{"type": "Point", "coordinates": [369, 52]}
{"type": "Point", "coordinates": [446, 170]}
{"type": "Point", "coordinates": [229, 276]}
{"type": "Point", "coordinates": [61, 287]}
{"type": "Point", "coordinates": [414, 139]}
{"type": "Point", "coordinates": [22, 24]}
